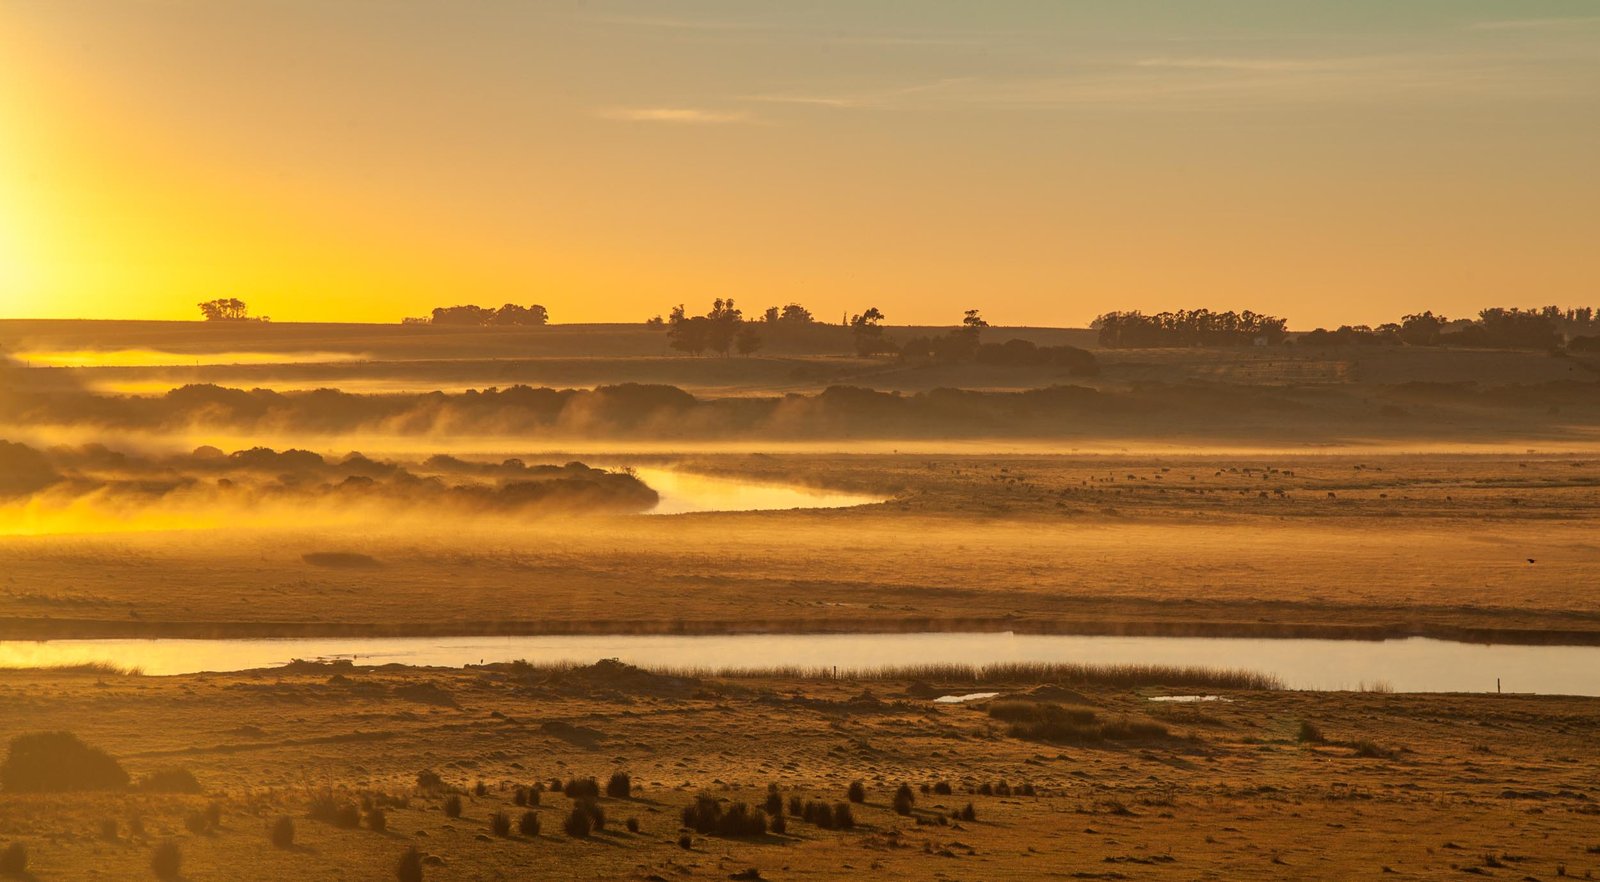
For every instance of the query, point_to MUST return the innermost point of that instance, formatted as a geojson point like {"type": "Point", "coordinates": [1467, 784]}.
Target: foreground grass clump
{"type": "Point", "coordinates": [1310, 734]}
{"type": "Point", "coordinates": [620, 786]}
{"type": "Point", "coordinates": [1045, 721]}
{"type": "Point", "coordinates": [166, 861]}
{"type": "Point", "coordinates": [707, 817]}
{"type": "Point", "coordinates": [282, 832]}
{"type": "Point", "coordinates": [528, 825]}
{"type": "Point", "coordinates": [330, 809]}
{"type": "Point", "coordinates": [57, 762]}
{"type": "Point", "coordinates": [904, 799]}
{"type": "Point", "coordinates": [500, 824]}
{"type": "Point", "coordinates": [14, 860]}
{"type": "Point", "coordinates": [452, 806]}
{"type": "Point", "coordinates": [582, 788]}
{"type": "Point", "coordinates": [409, 869]}
{"type": "Point", "coordinates": [173, 780]}
{"type": "Point", "coordinates": [578, 824]}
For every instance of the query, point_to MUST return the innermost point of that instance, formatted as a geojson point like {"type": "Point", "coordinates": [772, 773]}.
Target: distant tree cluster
{"type": "Point", "coordinates": [964, 344]}
{"type": "Point", "coordinates": [960, 344]}
{"type": "Point", "coordinates": [720, 330]}
{"type": "Point", "coordinates": [1496, 328]}
{"type": "Point", "coordinates": [228, 309]}
{"type": "Point", "coordinates": [509, 314]}
{"type": "Point", "coordinates": [1186, 328]}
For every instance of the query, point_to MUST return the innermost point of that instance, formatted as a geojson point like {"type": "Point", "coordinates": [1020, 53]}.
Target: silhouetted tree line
{"type": "Point", "coordinates": [509, 314]}
{"type": "Point", "coordinates": [1187, 327]}
{"type": "Point", "coordinates": [720, 330]}
{"type": "Point", "coordinates": [654, 411]}
{"type": "Point", "coordinates": [1496, 328]}
{"type": "Point", "coordinates": [723, 329]}
{"type": "Point", "coordinates": [228, 309]}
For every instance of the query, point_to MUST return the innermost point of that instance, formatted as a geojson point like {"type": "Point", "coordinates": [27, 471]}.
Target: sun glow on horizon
{"type": "Point", "coordinates": [1046, 162]}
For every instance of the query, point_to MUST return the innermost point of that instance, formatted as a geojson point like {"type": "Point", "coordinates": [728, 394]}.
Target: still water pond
{"type": "Point", "coordinates": [684, 492]}
{"type": "Point", "coordinates": [1411, 665]}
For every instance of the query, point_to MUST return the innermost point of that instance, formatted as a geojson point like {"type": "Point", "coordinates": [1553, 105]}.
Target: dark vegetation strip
{"type": "Point", "coordinates": [15, 628]}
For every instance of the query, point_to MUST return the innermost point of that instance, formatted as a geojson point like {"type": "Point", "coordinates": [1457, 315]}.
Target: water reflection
{"type": "Point", "coordinates": [684, 492]}
{"type": "Point", "coordinates": [1412, 665]}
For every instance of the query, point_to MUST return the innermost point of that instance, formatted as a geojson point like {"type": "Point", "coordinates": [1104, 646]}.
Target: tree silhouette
{"type": "Point", "coordinates": [748, 340]}
{"type": "Point", "coordinates": [867, 330]}
{"type": "Point", "coordinates": [229, 309]}
{"type": "Point", "coordinates": [1187, 327]}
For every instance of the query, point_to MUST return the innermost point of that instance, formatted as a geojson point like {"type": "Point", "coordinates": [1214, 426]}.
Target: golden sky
{"type": "Point", "coordinates": [1045, 161]}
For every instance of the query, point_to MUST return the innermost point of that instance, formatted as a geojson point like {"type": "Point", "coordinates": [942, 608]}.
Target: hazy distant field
{"type": "Point", "coordinates": [1271, 492]}
{"type": "Point", "coordinates": [1258, 490]}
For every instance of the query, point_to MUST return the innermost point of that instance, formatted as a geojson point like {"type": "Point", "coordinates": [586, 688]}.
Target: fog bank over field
{"type": "Point", "coordinates": [93, 487]}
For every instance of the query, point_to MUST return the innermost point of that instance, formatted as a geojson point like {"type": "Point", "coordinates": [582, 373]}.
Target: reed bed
{"type": "Point", "coordinates": [97, 669]}
{"type": "Point", "coordinates": [1009, 674]}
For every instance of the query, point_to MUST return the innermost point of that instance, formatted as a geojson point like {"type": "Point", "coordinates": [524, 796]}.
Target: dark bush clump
{"type": "Point", "coordinates": [14, 860]}
{"type": "Point", "coordinates": [174, 780]}
{"type": "Point", "coordinates": [520, 796]}
{"type": "Point", "coordinates": [685, 842]}
{"type": "Point", "coordinates": [377, 820]}
{"type": "Point", "coordinates": [969, 813]}
{"type": "Point", "coordinates": [533, 794]}
{"type": "Point", "coordinates": [620, 786]}
{"type": "Point", "coordinates": [56, 762]}
{"type": "Point", "coordinates": [556, 786]}
{"type": "Point", "coordinates": [597, 813]}
{"type": "Point", "coordinates": [1002, 789]}
{"type": "Point", "coordinates": [582, 788]}
{"type": "Point", "coordinates": [903, 800]}
{"type": "Point", "coordinates": [942, 788]}
{"type": "Point", "coordinates": [578, 824]}
{"type": "Point", "coordinates": [1310, 734]}
{"type": "Point", "coordinates": [857, 792]}
{"type": "Point", "coordinates": [1370, 750]}
{"type": "Point", "coordinates": [330, 809]}
{"type": "Point", "coordinates": [797, 807]}
{"type": "Point", "coordinates": [774, 804]}
{"type": "Point", "coordinates": [633, 825]}
{"type": "Point", "coordinates": [707, 816]}
{"type": "Point", "coordinates": [986, 789]}
{"type": "Point", "coordinates": [1027, 789]}
{"type": "Point", "coordinates": [409, 869]}
{"type": "Point", "coordinates": [480, 789]}
{"type": "Point", "coordinates": [529, 824]}
{"type": "Point", "coordinates": [779, 825]}
{"type": "Point", "coordinates": [500, 824]}
{"type": "Point", "coordinates": [282, 832]}
{"type": "Point", "coordinates": [843, 818]}
{"type": "Point", "coordinates": [195, 822]}
{"type": "Point", "coordinates": [818, 813]}
{"type": "Point", "coordinates": [428, 781]}
{"type": "Point", "coordinates": [166, 860]}
{"type": "Point", "coordinates": [452, 806]}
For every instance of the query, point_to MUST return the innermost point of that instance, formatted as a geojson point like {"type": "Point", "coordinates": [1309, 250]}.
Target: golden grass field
{"type": "Point", "coordinates": [1226, 545]}
{"type": "Point", "coordinates": [1345, 493]}
{"type": "Point", "coordinates": [1496, 786]}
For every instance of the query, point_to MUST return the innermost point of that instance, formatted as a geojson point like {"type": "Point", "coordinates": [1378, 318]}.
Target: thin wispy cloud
{"type": "Point", "coordinates": [675, 115]}
{"type": "Point", "coordinates": [1536, 24]}
{"type": "Point", "coordinates": [887, 97]}
{"type": "Point", "coordinates": [675, 24]}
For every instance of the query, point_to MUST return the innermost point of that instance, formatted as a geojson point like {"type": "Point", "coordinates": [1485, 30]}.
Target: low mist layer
{"type": "Point", "coordinates": [96, 487]}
